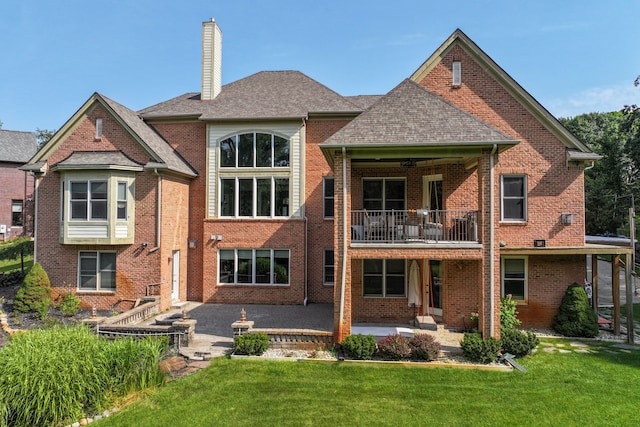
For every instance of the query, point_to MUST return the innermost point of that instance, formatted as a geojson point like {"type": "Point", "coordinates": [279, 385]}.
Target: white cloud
{"type": "Point", "coordinates": [595, 100]}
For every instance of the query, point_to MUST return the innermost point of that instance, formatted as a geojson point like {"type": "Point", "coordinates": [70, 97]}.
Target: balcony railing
{"type": "Point", "coordinates": [421, 226]}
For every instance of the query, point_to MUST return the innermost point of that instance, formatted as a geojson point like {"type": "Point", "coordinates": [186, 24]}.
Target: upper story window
{"type": "Point", "coordinates": [255, 150]}
{"type": "Point", "coordinates": [254, 197]}
{"type": "Point", "coordinates": [383, 193]}
{"type": "Point", "coordinates": [513, 198]}
{"type": "Point", "coordinates": [456, 73]}
{"type": "Point", "coordinates": [16, 213]}
{"type": "Point", "coordinates": [88, 200]}
{"type": "Point", "coordinates": [328, 196]}
{"type": "Point", "coordinates": [98, 128]}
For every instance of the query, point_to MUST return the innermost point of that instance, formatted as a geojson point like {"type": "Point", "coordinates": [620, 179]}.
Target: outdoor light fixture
{"type": "Point", "coordinates": [566, 219]}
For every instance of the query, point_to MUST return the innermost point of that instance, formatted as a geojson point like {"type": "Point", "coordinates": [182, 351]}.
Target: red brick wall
{"type": "Point", "coordinates": [15, 185]}
{"type": "Point", "coordinates": [189, 139]}
{"type": "Point", "coordinates": [553, 188]}
{"type": "Point", "coordinates": [320, 230]}
{"type": "Point", "coordinates": [136, 266]}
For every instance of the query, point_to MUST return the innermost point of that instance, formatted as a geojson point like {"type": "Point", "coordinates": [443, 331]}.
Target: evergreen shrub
{"type": "Point", "coordinates": [251, 344]}
{"type": "Point", "coordinates": [575, 318]}
{"type": "Point", "coordinates": [360, 347]}
{"type": "Point", "coordinates": [519, 343]}
{"type": "Point", "coordinates": [35, 293]}
{"type": "Point", "coordinates": [480, 350]}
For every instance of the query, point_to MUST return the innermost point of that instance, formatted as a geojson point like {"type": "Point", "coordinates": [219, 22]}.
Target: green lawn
{"type": "Point", "coordinates": [7, 266]}
{"type": "Point", "coordinates": [559, 389]}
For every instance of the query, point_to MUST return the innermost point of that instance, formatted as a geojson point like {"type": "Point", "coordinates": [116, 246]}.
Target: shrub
{"type": "Point", "coordinates": [424, 347]}
{"type": "Point", "coordinates": [59, 375]}
{"type": "Point", "coordinates": [394, 347]}
{"type": "Point", "coordinates": [575, 318]}
{"type": "Point", "coordinates": [360, 347]}
{"type": "Point", "coordinates": [35, 292]}
{"type": "Point", "coordinates": [69, 304]}
{"type": "Point", "coordinates": [251, 344]}
{"type": "Point", "coordinates": [518, 343]}
{"type": "Point", "coordinates": [508, 313]}
{"type": "Point", "coordinates": [480, 350]}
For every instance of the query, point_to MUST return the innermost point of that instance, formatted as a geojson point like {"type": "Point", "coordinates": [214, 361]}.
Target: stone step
{"type": "Point", "coordinates": [426, 322]}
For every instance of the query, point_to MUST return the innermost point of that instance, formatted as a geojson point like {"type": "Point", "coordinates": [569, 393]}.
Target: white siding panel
{"type": "Point", "coordinates": [88, 232]}
{"type": "Point", "coordinates": [291, 130]}
{"type": "Point", "coordinates": [122, 231]}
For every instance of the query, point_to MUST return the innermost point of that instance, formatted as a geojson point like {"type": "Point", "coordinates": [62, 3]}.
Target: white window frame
{"type": "Point", "coordinates": [524, 280]}
{"type": "Point", "coordinates": [98, 271]}
{"type": "Point", "coordinates": [385, 276]}
{"type": "Point", "coordinates": [124, 201]}
{"type": "Point", "coordinates": [328, 263]}
{"type": "Point", "coordinates": [523, 198]}
{"type": "Point", "coordinates": [98, 128]}
{"type": "Point", "coordinates": [17, 207]}
{"type": "Point", "coordinates": [254, 202]}
{"type": "Point", "coordinates": [456, 73]}
{"type": "Point", "coordinates": [89, 200]}
{"type": "Point", "coordinates": [253, 282]}
{"type": "Point", "coordinates": [325, 198]}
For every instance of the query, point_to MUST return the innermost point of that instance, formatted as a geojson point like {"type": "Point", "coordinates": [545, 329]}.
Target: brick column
{"type": "Point", "coordinates": [341, 327]}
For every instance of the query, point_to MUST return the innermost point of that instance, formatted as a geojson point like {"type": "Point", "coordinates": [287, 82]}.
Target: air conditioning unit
{"type": "Point", "coordinates": [3, 229]}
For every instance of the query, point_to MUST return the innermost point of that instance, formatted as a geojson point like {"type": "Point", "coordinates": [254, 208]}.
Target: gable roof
{"type": "Point", "coordinates": [550, 122]}
{"type": "Point", "coordinates": [162, 155]}
{"type": "Point", "coordinates": [261, 96]}
{"type": "Point", "coordinates": [410, 115]}
{"type": "Point", "coordinates": [16, 146]}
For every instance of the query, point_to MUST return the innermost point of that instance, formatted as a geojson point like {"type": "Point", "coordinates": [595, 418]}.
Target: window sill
{"type": "Point", "coordinates": [101, 293]}
{"type": "Point", "coordinates": [513, 223]}
{"type": "Point", "coordinates": [264, 285]}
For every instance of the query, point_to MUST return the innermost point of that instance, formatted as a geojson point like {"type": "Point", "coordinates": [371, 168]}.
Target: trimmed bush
{"type": "Point", "coordinates": [360, 347]}
{"type": "Point", "coordinates": [424, 347]}
{"type": "Point", "coordinates": [394, 347]}
{"type": "Point", "coordinates": [35, 293]}
{"type": "Point", "coordinates": [69, 304]}
{"type": "Point", "coordinates": [251, 344]}
{"type": "Point", "coordinates": [518, 343]}
{"type": "Point", "coordinates": [480, 350]}
{"type": "Point", "coordinates": [575, 318]}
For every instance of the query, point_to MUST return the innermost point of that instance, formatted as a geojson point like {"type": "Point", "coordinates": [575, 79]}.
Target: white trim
{"type": "Point", "coordinates": [524, 197]}
{"type": "Point", "coordinates": [525, 279]}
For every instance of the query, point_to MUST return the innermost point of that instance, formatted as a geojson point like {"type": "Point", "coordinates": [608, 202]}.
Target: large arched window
{"type": "Point", "coordinates": [254, 150]}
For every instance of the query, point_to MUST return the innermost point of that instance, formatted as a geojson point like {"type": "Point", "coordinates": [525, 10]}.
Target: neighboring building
{"type": "Point", "coordinates": [16, 186]}
{"type": "Point", "coordinates": [437, 198]}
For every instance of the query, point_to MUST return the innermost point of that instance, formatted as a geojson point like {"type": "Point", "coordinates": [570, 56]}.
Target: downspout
{"type": "Point", "coordinates": [158, 212]}
{"type": "Point", "coordinates": [492, 238]}
{"type": "Point", "coordinates": [343, 279]}
{"type": "Point", "coordinates": [306, 262]}
{"type": "Point", "coordinates": [36, 183]}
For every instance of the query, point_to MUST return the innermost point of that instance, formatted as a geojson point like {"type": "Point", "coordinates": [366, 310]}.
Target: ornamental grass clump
{"type": "Point", "coordinates": [59, 375]}
{"type": "Point", "coordinates": [359, 347]}
{"type": "Point", "coordinates": [575, 318]}
{"type": "Point", "coordinates": [394, 347]}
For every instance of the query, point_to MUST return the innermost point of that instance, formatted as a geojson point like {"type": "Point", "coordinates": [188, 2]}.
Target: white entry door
{"type": "Point", "coordinates": [175, 276]}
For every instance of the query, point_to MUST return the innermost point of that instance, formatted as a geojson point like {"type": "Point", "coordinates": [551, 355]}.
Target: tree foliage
{"type": "Point", "coordinates": [44, 135]}
{"type": "Point", "coordinates": [614, 178]}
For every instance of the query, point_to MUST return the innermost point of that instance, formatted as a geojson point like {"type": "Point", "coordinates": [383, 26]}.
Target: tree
{"type": "Point", "coordinates": [612, 176]}
{"type": "Point", "coordinates": [44, 135]}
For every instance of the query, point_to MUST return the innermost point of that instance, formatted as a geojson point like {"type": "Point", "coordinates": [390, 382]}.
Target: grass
{"type": "Point", "coordinates": [9, 265]}
{"type": "Point", "coordinates": [559, 389]}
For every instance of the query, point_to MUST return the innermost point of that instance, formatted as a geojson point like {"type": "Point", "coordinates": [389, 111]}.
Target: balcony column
{"type": "Point", "coordinates": [342, 231]}
{"type": "Point", "coordinates": [489, 322]}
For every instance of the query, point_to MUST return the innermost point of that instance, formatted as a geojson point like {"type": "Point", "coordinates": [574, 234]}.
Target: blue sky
{"type": "Point", "coordinates": [573, 56]}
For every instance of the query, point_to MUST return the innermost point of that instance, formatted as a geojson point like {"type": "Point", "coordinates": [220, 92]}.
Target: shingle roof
{"type": "Point", "coordinates": [264, 95]}
{"type": "Point", "coordinates": [412, 115]}
{"type": "Point", "coordinates": [16, 146]}
{"type": "Point", "coordinates": [161, 148]}
{"type": "Point", "coordinates": [97, 160]}
{"type": "Point", "coordinates": [364, 101]}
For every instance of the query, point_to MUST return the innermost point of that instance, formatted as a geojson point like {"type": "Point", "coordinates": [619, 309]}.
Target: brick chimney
{"type": "Point", "coordinates": [211, 60]}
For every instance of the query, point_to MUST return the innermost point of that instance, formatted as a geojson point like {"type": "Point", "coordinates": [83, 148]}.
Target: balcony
{"type": "Point", "coordinates": [419, 226]}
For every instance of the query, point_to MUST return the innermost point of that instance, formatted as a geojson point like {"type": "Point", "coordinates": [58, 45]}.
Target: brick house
{"type": "Point", "coordinates": [455, 188]}
{"type": "Point", "coordinates": [16, 186]}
